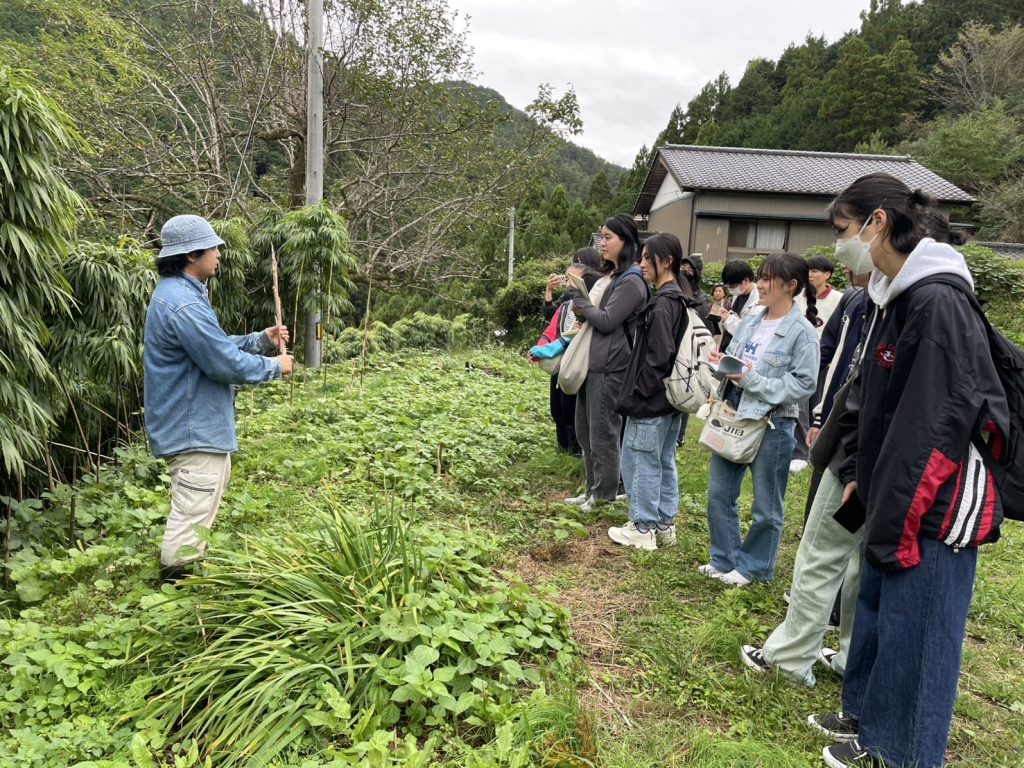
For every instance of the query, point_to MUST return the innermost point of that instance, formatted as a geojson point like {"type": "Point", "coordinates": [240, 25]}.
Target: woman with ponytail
{"type": "Point", "coordinates": [652, 425]}
{"type": "Point", "coordinates": [926, 395]}
{"type": "Point", "coordinates": [614, 323]}
{"type": "Point", "coordinates": [779, 346]}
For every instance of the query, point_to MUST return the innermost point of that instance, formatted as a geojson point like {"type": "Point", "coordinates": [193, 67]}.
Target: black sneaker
{"type": "Point", "coordinates": [754, 658]}
{"type": "Point", "coordinates": [835, 726]}
{"type": "Point", "coordinates": [849, 755]}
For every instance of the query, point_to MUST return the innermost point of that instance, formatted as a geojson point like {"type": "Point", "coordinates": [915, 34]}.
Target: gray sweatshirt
{"type": "Point", "coordinates": [614, 322]}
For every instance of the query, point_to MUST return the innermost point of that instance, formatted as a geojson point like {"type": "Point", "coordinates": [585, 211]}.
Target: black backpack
{"type": "Point", "coordinates": [1008, 358]}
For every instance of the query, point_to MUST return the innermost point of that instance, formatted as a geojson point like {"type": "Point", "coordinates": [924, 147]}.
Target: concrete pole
{"type": "Point", "coordinates": [314, 148]}
{"type": "Point", "coordinates": [511, 243]}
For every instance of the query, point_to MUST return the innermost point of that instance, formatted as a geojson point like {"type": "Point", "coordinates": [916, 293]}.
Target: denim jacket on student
{"type": "Point", "coordinates": [189, 368]}
{"type": "Point", "coordinates": [787, 371]}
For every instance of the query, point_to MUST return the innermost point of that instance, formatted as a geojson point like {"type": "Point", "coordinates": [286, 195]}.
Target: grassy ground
{"type": "Point", "coordinates": [463, 446]}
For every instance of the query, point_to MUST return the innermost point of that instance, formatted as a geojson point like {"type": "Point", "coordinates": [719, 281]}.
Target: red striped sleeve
{"type": "Point", "coordinates": [938, 471]}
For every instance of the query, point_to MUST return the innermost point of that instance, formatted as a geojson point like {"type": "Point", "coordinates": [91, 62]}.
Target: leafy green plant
{"type": "Point", "coordinates": [334, 635]}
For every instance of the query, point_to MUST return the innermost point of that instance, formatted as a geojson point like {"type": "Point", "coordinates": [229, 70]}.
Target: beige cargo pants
{"type": "Point", "coordinates": [198, 481]}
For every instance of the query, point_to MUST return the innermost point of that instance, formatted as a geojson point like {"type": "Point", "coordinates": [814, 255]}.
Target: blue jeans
{"type": "Point", "coordinates": [755, 557]}
{"type": "Point", "coordinates": [649, 469]}
{"type": "Point", "coordinates": [904, 662]}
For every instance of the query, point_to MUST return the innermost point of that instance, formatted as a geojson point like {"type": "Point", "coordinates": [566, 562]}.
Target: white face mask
{"type": "Point", "coordinates": [734, 292]}
{"type": "Point", "coordinates": [855, 254]}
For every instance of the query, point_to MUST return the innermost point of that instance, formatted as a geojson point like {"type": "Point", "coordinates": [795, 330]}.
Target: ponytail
{"type": "Point", "coordinates": [812, 304]}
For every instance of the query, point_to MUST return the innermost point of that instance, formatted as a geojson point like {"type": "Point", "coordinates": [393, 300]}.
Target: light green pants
{"type": "Point", "coordinates": [828, 556]}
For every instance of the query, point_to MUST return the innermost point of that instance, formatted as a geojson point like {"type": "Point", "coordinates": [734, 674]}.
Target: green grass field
{"type": "Point", "coordinates": [440, 473]}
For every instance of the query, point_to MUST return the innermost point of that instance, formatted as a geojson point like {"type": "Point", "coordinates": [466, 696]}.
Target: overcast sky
{"type": "Point", "coordinates": [631, 61]}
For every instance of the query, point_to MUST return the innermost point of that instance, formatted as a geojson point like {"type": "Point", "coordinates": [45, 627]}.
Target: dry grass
{"type": "Point", "coordinates": [598, 605]}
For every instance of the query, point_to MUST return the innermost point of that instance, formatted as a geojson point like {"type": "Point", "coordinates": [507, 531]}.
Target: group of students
{"type": "Point", "coordinates": [903, 389]}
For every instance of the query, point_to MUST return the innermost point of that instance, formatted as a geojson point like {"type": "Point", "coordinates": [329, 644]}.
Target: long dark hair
{"type": "Point", "coordinates": [624, 227]}
{"type": "Point", "coordinates": [663, 247]}
{"type": "Point", "coordinates": [905, 209]}
{"type": "Point", "coordinates": [786, 267]}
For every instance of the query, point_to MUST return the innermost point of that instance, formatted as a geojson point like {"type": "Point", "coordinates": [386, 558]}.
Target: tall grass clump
{"type": "Point", "coordinates": [327, 639]}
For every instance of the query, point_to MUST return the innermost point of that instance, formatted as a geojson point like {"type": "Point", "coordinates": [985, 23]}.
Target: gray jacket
{"type": "Point", "coordinates": [614, 322]}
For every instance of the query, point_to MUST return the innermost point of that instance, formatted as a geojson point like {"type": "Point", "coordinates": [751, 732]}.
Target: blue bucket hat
{"type": "Point", "coordinates": [185, 234]}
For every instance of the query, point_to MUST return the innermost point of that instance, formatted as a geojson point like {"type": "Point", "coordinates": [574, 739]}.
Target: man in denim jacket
{"type": "Point", "coordinates": [190, 367]}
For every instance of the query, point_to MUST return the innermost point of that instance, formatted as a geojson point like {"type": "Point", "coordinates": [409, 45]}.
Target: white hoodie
{"type": "Point", "coordinates": [928, 258]}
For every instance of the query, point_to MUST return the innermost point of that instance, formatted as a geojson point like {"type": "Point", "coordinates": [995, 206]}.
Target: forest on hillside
{"type": "Point", "coordinates": [941, 80]}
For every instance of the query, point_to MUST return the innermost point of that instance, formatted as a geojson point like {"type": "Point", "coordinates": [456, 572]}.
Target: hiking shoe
{"type": "Point", "coordinates": [576, 500]}
{"type": "Point", "coordinates": [849, 754]}
{"type": "Point", "coordinates": [630, 536]}
{"type": "Point", "coordinates": [825, 656]}
{"type": "Point", "coordinates": [666, 536]}
{"type": "Point", "coordinates": [710, 571]}
{"type": "Point", "coordinates": [797, 465]}
{"type": "Point", "coordinates": [835, 726]}
{"type": "Point", "coordinates": [734, 579]}
{"type": "Point", "coordinates": [754, 658]}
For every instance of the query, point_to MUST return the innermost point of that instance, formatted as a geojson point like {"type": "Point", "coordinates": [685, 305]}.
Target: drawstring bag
{"type": "Point", "coordinates": [576, 359]}
{"type": "Point", "coordinates": [725, 435]}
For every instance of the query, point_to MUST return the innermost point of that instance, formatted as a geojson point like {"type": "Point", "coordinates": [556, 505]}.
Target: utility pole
{"type": "Point", "coordinates": [314, 149]}
{"type": "Point", "coordinates": [511, 242]}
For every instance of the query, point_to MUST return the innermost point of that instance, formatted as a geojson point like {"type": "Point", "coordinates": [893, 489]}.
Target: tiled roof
{"type": "Point", "coordinates": [784, 171]}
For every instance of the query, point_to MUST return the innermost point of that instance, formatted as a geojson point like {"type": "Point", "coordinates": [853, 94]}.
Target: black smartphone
{"type": "Point", "coordinates": [851, 514]}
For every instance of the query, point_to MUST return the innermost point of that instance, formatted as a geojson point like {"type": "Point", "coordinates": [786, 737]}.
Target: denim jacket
{"type": "Point", "coordinates": [787, 371]}
{"type": "Point", "coordinates": [189, 368]}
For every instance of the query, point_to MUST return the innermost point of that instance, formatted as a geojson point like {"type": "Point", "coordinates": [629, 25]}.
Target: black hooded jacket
{"type": "Point", "coordinates": [654, 352]}
{"type": "Point", "coordinates": [700, 304]}
{"type": "Point", "coordinates": [927, 387]}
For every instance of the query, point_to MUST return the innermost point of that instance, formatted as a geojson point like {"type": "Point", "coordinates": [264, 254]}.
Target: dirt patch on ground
{"type": "Point", "coordinates": [596, 570]}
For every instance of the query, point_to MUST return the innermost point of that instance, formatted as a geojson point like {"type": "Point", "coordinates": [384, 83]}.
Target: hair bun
{"type": "Point", "coordinates": [922, 198]}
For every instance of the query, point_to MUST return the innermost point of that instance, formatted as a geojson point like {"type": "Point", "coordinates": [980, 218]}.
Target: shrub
{"type": "Point", "coordinates": [422, 331]}
{"type": "Point", "coordinates": [994, 275]}
{"type": "Point", "coordinates": [518, 302]}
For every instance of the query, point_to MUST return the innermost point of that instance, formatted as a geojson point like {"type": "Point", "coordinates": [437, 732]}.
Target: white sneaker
{"type": "Point", "coordinates": [710, 571]}
{"type": "Point", "coordinates": [666, 538]}
{"type": "Point", "coordinates": [589, 503]}
{"type": "Point", "coordinates": [825, 658]}
{"type": "Point", "coordinates": [621, 497]}
{"type": "Point", "coordinates": [734, 579]}
{"type": "Point", "coordinates": [576, 500]}
{"type": "Point", "coordinates": [797, 465]}
{"type": "Point", "coordinates": [629, 536]}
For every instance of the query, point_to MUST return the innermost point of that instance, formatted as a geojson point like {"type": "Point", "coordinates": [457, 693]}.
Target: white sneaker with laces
{"type": "Point", "coordinates": [797, 465]}
{"type": "Point", "coordinates": [588, 504]}
{"type": "Point", "coordinates": [576, 500]}
{"type": "Point", "coordinates": [667, 537]}
{"type": "Point", "coordinates": [629, 536]}
{"type": "Point", "coordinates": [734, 579]}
